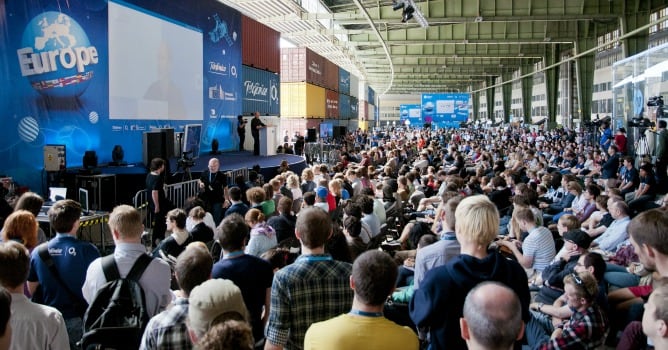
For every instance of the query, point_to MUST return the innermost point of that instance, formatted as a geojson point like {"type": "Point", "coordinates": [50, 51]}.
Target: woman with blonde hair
{"type": "Point", "coordinates": [293, 186]}
{"type": "Point", "coordinates": [21, 226]}
{"type": "Point", "coordinates": [262, 236]}
{"type": "Point", "coordinates": [308, 185]}
{"type": "Point", "coordinates": [32, 202]}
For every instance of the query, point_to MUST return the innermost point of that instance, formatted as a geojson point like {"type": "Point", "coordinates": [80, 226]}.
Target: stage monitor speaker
{"type": "Point", "coordinates": [311, 135]}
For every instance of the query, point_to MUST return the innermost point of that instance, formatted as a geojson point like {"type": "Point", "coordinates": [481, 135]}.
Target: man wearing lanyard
{"type": "Point", "coordinates": [295, 286]}
{"type": "Point", "coordinates": [448, 247]}
{"type": "Point", "coordinates": [373, 279]}
{"type": "Point", "coordinates": [251, 274]}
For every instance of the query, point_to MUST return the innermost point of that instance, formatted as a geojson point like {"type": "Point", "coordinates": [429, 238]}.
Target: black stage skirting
{"type": "Point", "coordinates": [131, 178]}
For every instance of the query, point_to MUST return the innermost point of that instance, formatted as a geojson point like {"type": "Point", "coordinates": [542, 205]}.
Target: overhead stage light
{"type": "Point", "coordinates": [408, 13]}
{"type": "Point", "coordinates": [398, 5]}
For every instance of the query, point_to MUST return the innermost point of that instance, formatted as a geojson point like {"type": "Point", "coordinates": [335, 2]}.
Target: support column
{"type": "Point", "coordinates": [527, 92]}
{"type": "Point", "coordinates": [506, 95]}
{"type": "Point", "coordinates": [552, 83]}
{"type": "Point", "coordinates": [635, 15]}
{"type": "Point", "coordinates": [475, 102]}
{"type": "Point", "coordinates": [584, 68]}
{"type": "Point", "coordinates": [489, 81]}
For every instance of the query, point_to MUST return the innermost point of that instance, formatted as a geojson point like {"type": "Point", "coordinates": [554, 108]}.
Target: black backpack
{"type": "Point", "coordinates": [117, 316]}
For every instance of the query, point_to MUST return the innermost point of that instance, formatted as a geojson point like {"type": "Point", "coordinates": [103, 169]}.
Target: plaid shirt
{"type": "Point", "coordinates": [313, 289]}
{"type": "Point", "coordinates": [584, 330]}
{"type": "Point", "coordinates": [167, 330]}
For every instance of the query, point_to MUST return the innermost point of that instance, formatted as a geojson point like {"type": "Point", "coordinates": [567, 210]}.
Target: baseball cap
{"type": "Point", "coordinates": [321, 192]}
{"type": "Point", "coordinates": [579, 237]}
{"type": "Point", "coordinates": [210, 300]}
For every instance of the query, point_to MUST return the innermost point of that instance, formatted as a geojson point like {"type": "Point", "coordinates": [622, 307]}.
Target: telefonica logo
{"type": "Point", "coordinates": [56, 55]}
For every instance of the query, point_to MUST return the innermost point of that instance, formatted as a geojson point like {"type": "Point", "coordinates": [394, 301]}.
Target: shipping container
{"type": "Point", "coordinates": [354, 108]}
{"type": "Point", "coordinates": [260, 91]}
{"type": "Point", "coordinates": [300, 64]}
{"type": "Point", "coordinates": [354, 86]}
{"type": "Point", "coordinates": [371, 95]}
{"type": "Point", "coordinates": [294, 126]}
{"type": "Point", "coordinates": [331, 104]}
{"type": "Point", "coordinates": [371, 113]}
{"type": "Point", "coordinates": [353, 125]}
{"type": "Point", "coordinates": [314, 123]}
{"type": "Point", "coordinates": [344, 106]}
{"type": "Point", "coordinates": [364, 125]}
{"type": "Point", "coordinates": [302, 100]}
{"type": "Point", "coordinates": [260, 45]}
{"type": "Point", "coordinates": [344, 81]}
{"type": "Point", "coordinates": [364, 110]}
{"type": "Point", "coordinates": [331, 76]}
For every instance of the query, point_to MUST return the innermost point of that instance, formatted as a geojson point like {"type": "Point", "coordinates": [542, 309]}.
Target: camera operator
{"type": "Point", "coordinates": [606, 135]}
{"type": "Point", "coordinates": [213, 189]}
{"type": "Point", "coordinates": [662, 154]}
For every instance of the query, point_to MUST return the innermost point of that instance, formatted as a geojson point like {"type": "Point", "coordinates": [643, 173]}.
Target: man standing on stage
{"type": "Point", "coordinates": [256, 125]}
{"type": "Point", "coordinates": [213, 184]}
{"type": "Point", "coordinates": [241, 130]}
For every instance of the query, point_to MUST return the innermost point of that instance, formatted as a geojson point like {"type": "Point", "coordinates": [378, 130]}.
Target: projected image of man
{"type": "Point", "coordinates": [164, 89]}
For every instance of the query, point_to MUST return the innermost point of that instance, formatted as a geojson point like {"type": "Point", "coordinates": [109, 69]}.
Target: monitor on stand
{"type": "Point", "coordinates": [83, 200]}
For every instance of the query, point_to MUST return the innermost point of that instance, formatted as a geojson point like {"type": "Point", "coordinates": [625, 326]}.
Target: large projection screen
{"type": "Point", "coordinates": [155, 66]}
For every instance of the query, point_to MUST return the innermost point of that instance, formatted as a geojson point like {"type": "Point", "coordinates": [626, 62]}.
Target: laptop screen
{"type": "Point", "coordinates": [57, 193]}
{"type": "Point", "coordinates": [83, 200]}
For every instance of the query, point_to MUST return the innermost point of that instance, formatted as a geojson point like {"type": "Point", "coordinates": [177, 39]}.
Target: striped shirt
{"type": "Point", "coordinates": [313, 289]}
{"type": "Point", "coordinates": [539, 245]}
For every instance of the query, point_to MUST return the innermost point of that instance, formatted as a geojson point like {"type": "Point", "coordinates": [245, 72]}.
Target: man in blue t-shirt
{"type": "Point", "coordinates": [71, 258]}
{"type": "Point", "coordinates": [251, 274]}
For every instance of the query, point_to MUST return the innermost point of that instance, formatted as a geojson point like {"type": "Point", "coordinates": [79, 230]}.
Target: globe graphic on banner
{"type": "Point", "coordinates": [28, 129]}
{"type": "Point", "coordinates": [56, 55]}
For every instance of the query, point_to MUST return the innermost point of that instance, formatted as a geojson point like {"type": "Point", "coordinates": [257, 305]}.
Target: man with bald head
{"type": "Point", "coordinates": [492, 317]}
{"type": "Point", "coordinates": [213, 185]}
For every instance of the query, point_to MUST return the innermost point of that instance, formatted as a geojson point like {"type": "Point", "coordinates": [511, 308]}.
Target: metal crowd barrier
{"type": "Point", "coordinates": [178, 194]}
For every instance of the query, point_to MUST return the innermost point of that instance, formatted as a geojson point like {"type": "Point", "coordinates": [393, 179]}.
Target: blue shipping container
{"type": "Point", "coordinates": [260, 91]}
{"type": "Point", "coordinates": [344, 81]}
{"type": "Point", "coordinates": [354, 108]}
{"type": "Point", "coordinates": [371, 96]}
{"type": "Point", "coordinates": [344, 107]}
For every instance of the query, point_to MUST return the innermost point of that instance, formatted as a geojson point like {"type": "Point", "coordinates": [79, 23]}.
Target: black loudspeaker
{"type": "Point", "coordinates": [169, 142]}
{"type": "Point", "coordinates": [154, 145]}
{"type": "Point", "coordinates": [311, 135]}
{"type": "Point", "coordinates": [90, 160]}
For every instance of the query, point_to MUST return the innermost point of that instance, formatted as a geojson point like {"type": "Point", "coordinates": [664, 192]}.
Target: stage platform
{"type": "Point", "coordinates": [131, 178]}
{"type": "Point", "coordinates": [230, 161]}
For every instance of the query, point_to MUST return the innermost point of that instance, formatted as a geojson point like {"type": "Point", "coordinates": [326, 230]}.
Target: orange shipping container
{"type": "Point", "coordinates": [331, 76]}
{"type": "Point", "coordinates": [332, 104]}
{"type": "Point", "coordinates": [364, 111]}
{"type": "Point", "coordinates": [260, 45]}
{"type": "Point", "coordinates": [302, 100]}
{"type": "Point", "coordinates": [300, 64]}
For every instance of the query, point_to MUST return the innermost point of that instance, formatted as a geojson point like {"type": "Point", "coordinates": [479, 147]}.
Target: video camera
{"type": "Point", "coordinates": [640, 122]}
{"type": "Point", "coordinates": [655, 101]}
{"type": "Point", "coordinates": [186, 161]}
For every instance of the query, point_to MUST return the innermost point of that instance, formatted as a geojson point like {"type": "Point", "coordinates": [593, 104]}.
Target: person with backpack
{"type": "Point", "coordinates": [168, 329]}
{"type": "Point", "coordinates": [58, 267]}
{"type": "Point", "coordinates": [129, 266]}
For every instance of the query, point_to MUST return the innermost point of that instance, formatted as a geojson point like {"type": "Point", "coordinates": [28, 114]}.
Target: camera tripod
{"type": "Point", "coordinates": [641, 146]}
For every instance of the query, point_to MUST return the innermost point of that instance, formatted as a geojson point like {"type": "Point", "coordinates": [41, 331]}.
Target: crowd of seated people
{"type": "Point", "coordinates": [573, 230]}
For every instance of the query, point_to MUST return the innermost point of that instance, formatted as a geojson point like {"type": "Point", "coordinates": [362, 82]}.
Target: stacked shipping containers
{"type": "Point", "coordinates": [260, 47]}
{"type": "Point", "coordinates": [313, 89]}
